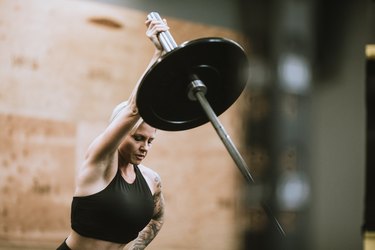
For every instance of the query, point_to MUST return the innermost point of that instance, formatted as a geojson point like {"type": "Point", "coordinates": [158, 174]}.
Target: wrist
{"type": "Point", "coordinates": [159, 52]}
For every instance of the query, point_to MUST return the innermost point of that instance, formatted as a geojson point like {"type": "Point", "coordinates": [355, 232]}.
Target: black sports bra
{"type": "Point", "coordinates": [117, 213]}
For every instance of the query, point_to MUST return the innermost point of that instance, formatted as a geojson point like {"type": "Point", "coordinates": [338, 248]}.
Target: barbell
{"type": "Point", "coordinates": [192, 84]}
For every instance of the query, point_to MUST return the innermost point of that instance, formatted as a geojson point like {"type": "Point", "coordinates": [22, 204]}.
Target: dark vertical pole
{"type": "Point", "coordinates": [369, 218]}
{"type": "Point", "coordinates": [280, 34]}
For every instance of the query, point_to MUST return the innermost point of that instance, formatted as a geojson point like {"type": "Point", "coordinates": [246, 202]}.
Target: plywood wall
{"type": "Point", "coordinates": [64, 65]}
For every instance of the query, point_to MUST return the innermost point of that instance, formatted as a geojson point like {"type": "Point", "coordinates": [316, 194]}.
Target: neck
{"type": "Point", "coordinates": [122, 163]}
{"type": "Point", "coordinates": [128, 173]}
{"type": "Point", "coordinates": [126, 168]}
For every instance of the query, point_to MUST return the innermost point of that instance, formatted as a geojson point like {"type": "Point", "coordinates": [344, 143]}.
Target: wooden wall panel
{"type": "Point", "coordinates": [64, 65]}
{"type": "Point", "coordinates": [36, 177]}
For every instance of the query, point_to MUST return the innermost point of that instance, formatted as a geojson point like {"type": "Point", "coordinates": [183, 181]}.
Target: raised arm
{"type": "Point", "coordinates": [106, 144]}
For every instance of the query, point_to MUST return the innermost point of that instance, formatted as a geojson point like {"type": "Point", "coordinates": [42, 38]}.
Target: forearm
{"type": "Point", "coordinates": [155, 57]}
{"type": "Point", "coordinates": [147, 235]}
{"type": "Point", "coordinates": [153, 29]}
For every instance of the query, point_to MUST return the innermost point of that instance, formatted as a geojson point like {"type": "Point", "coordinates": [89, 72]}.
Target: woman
{"type": "Point", "coordinates": [117, 200]}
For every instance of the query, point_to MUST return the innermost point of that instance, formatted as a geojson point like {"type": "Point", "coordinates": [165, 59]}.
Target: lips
{"type": "Point", "coordinates": [140, 156]}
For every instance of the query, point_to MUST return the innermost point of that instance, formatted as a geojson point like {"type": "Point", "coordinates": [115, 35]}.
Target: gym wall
{"type": "Point", "coordinates": [64, 66]}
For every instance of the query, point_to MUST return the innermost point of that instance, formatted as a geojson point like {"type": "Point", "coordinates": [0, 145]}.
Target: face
{"type": "Point", "coordinates": [136, 145]}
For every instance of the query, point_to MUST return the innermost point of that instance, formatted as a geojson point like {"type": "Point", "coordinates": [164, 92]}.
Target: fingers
{"type": "Point", "coordinates": [155, 27]}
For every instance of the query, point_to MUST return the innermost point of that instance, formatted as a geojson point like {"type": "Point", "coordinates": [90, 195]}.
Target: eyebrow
{"type": "Point", "coordinates": [143, 136]}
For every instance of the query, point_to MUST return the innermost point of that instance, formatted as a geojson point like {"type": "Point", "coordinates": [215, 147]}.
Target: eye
{"type": "Point", "coordinates": [138, 137]}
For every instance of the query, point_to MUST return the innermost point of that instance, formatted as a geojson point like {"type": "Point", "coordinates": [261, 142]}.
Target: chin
{"type": "Point", "coordinates": [137, 162]}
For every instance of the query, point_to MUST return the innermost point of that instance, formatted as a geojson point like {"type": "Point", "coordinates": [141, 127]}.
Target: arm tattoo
{"type": "Point", "coordinates": [153, 227]}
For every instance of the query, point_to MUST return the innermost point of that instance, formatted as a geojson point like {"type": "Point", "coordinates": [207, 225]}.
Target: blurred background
{"type": "Point", "coordinates": [304, 123]}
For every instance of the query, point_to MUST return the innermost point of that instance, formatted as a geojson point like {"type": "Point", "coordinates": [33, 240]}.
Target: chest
{"type": "Point", "coordinates": [120, 205]}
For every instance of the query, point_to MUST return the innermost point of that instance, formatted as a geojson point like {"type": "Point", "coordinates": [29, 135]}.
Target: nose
{"type": "Point", "coordinates": [145, 147]}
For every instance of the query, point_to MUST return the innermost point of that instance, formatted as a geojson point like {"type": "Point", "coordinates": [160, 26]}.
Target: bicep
{"type": "Point", "coordinates": [159, 206]}
{"type": "Point", "coordinates": [98, 149]}
{"type": "Point", "coordinates": [106, 144]}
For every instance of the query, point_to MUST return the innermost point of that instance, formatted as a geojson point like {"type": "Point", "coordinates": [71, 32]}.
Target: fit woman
{"type": "Point", "coordinates": [117, 200]}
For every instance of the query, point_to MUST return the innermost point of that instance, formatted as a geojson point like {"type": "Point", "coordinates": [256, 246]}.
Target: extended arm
{"type": "Point", "coordinates": [107, 143]}
{"type": "Point", "coordinates": [100, 161]}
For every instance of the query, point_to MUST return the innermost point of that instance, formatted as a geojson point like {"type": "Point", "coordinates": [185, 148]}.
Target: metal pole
{"type": "Point", "coordinates": [225, 138]}
{"type": "Point", "coordinates": [236, 156]}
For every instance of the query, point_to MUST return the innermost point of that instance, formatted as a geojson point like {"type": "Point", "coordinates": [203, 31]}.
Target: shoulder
{"type": "Point", "coordinates": [152, 176]}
